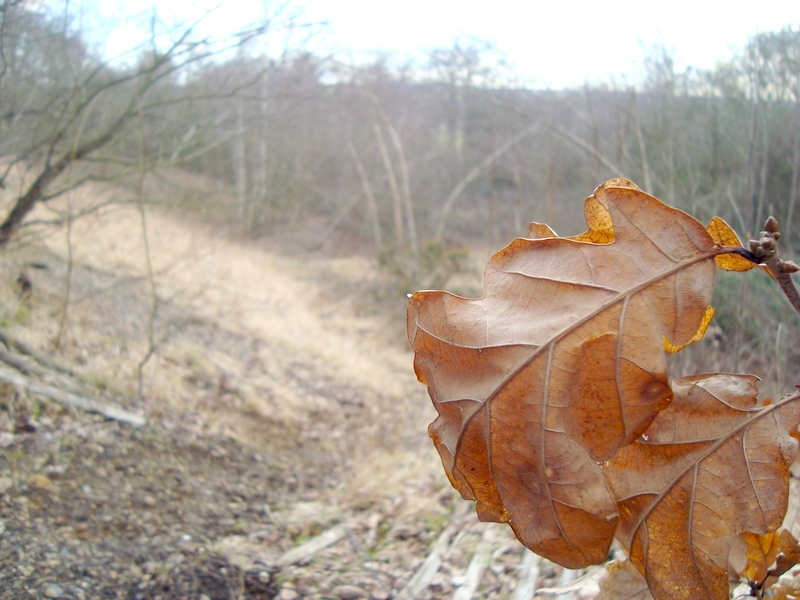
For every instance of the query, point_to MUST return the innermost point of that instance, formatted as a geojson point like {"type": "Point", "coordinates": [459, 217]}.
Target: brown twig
{"type": "Point", "coordinates": [766, 251]}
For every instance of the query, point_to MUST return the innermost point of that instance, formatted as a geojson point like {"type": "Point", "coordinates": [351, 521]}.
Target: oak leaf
{"type": "Point", "coordinates": [722, 233]}
{"type": "Point", "coordinates": [755, 559]}
{"type": "Point", "coordinates": [561, 363]}
{"type": "Point", "coordinates": [759, 560]}
{"type": "Point", "coordinates": [752, 556]}
{"type": "Point", "coordinates": [788, 557]}
{"type": "Point", "coordinates": [711, 467]}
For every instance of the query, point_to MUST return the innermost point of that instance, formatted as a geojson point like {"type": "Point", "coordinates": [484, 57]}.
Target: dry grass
{"type": "Point", "coordinates": [272, 354]}
{"type": "Point", "coordinates": [250, 343]}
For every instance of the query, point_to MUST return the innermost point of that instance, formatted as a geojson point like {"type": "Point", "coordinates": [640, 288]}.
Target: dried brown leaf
{"type": "Point", "coordinates": [537, 231]}
{"type": "Point", "coordinates": [752, 555]}
{"type": "Point", "coordinates": [724, 235]}
{"type": "Point", "coordinates": [711, 467]}
{"type": "Point", "coordinates": [789, 555]}
{"type": "Point", "coordinates": [708, 316]}
{"type": "Point", "coordinates": [760, 560]}
{"type": "Point", "coordinates": [562, 363]}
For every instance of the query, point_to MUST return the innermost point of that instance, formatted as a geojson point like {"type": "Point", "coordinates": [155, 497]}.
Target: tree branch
{"type": "Point", "coordinates": [766, 250]}
{"type": "Point", "coordinates": [476, 171]}
{"type": "Point", "coordinates": [35, 192]}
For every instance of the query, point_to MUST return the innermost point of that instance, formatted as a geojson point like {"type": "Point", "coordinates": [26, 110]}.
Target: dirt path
{"type": "Point", "coordinates": [285, 453]}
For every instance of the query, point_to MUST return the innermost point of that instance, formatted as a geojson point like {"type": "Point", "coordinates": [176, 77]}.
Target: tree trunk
{"type": "Point", "coordinates": [261, 171]}
{"type": "Point", "coordinates": [240, 167]}
{"type": "Point", "coordinates": [397, 200]}
{"type": "Point", "coordinates": [28, 200]}
{"type": "Point", "coordinates": [372, 206]}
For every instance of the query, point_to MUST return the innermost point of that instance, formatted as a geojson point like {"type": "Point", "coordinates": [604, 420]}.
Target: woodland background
{"type": "Point", "coordinates": [359, 183]}
{"type": "Point", "coordinates": [411, 164]}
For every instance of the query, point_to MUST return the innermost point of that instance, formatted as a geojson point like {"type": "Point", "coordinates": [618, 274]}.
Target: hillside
{"type": "Point", "coordinates": [281, 409]}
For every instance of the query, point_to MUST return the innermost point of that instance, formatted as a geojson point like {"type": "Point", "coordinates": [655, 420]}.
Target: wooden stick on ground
{"type": "Point", "coordinates": [528, 576]}
{"type": "Point", "coordinates": [424, 575]}
{"type": "Point", "coordinates": [109, 411]}
{"type": "Point", "coordinates": [568, 576]}
{"type": "Point", "coordinates": [312, 546]}
{"type": "Point", "coordinates": [480, 560]}
{"type": "Point", "coordinates": [569, 586]}
{"type": "Point", "coordinates": [20, 346]}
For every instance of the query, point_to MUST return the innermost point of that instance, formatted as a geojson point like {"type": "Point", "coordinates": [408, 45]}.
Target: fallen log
{"type": "Point", "coordinates": [22, 347]}
{"type": "Point", "coordinates": [105, 409]}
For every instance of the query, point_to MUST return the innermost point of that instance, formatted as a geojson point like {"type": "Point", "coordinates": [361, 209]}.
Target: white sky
{"type": "Point", "coordinates": [551, 43]}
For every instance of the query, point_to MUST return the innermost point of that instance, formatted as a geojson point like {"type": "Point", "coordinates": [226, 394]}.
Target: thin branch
{"type": "Point", "coordinates": [70, 253]}
{"type": "Point", "coordinates": [766, 250]}
{"type": "Point", "coordinates": [390, 173]}
{"type": "Point", "coordinates": [405, 192]}
{"type": "Point", "coordinates": [178, 56]}
{"type": "Point", "coordinates": [368, 196]}
{"type": "Point", "coordinates": [571, 137]}
{"type": "Point", "coordinates": [648, 184]}
{"type": "Point", "coordinates": [405, 186]}
{"type": "Point", "coordinates": [27, 201]}
{"type": "Point", "coordinates": [476, 171]}
{"type": "Point", "coordinates": [154, 308]}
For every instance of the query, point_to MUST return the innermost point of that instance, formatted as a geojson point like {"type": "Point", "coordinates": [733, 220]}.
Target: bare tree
{"type": "Point", "coordinates": [63, 106]}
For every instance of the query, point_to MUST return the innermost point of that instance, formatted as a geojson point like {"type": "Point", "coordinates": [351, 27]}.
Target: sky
{"type": "Point", "coordinates": [550, 44]}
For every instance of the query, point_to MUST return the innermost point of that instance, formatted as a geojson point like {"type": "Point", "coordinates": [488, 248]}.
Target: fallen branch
{"type": "Point", "coordinates": [28, 366]}
{"type": "Point", "coordinates": [480, 560]}
{"type": "Point", "coordinates": [586, 586]}
{"type": "Point", "coordinates": [424, 575]}
{"type": "Point", "coordinates": [567, 577]}
{"type": "Point", "coordinates": [20, 363]}
{"type": "Point", "coordinates": [86, 404]}
{"type": "Point", "coordinates": [528, 576]}
{"type": "Point", "coordinates": [312, 546]}
{"type": "Point", "coordinates": [22, 347]}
